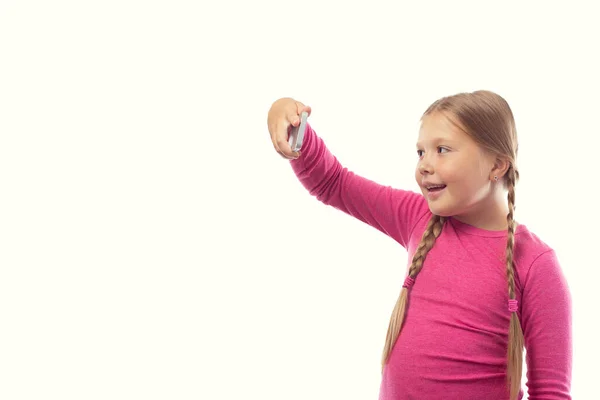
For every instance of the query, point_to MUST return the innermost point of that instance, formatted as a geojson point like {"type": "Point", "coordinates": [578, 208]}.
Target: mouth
{"type": "Point", "coordinates": [435, 188]}
{"type": "Point", "coordinates": [433, 192]}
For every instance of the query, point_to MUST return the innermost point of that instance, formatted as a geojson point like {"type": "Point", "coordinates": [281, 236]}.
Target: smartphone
{"type": "Point", "coordinates": [297, 133]}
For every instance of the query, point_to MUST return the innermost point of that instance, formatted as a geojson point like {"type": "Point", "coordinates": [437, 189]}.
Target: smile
{"type": "Point", "coordinates": [435, 192]}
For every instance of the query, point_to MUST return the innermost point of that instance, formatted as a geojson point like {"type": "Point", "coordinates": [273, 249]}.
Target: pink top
{"type": "Point", "coordinates": [454, 340]}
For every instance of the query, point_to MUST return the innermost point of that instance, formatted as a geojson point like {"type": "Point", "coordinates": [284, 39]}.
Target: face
{"type": "Point", "coordinates": [449, 157]}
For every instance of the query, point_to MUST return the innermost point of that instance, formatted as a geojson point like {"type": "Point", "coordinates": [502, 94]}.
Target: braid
{"type": "Point", "coordinates": [515, 335]}
{"type": "Point", "coordinates": [433, 230]}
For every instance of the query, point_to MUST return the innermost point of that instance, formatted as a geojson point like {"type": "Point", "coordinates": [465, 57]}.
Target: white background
{"type": "Point", "coordinates": [153, 245]}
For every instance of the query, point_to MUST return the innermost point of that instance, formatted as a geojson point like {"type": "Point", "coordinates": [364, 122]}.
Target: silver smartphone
{"type": "Point", "coordinates": [297, 133]}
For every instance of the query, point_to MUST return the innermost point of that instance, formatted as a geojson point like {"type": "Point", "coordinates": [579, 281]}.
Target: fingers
{"type": "Point", "coordinates": [289, 112]}
{"type": "Point", "coordinates": [294, 115]}
{"type": "Point", "coordinates": [278, 133]}
{"type": "Point", "coordinates": [286, 149]}
{"type": "Point", "coordinates": [281, 145]}
{"type": "Point", "coordinates": [292, 120]}
{"type": "Point", "coordinates": [302, 108]}
{"type": "Point", "coordinates": [284, 154]}
{"type": "Point", "coordinates": [281, 154]}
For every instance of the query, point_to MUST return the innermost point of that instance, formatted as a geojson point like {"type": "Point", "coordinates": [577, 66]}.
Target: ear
{"type": "Point", "coordinates": [501, 165]}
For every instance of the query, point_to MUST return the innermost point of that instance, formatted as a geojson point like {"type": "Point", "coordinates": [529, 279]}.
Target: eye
{"type": "Point", "coordinates": [442, 148]}
{"type": "Point", "coordinates": [420, 153]}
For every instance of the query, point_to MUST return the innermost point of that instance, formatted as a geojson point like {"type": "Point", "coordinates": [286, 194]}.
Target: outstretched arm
{"type": "Point", "coordinates": [394, 212]}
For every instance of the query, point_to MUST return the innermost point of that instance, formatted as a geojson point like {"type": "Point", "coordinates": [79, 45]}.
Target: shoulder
{"type": "Point", "coordinates": [533, 256]}
{"type": "Point", "coordinates": [528, 245]}
{"type": "Point", "coordinates": [545, 297]}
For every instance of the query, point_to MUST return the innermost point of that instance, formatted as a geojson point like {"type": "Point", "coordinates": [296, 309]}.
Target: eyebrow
{"type": "Point", "coordinates": [437, 140]}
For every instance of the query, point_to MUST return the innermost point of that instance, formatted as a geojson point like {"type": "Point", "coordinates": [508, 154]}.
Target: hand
{"type": "Point", "coordinates": [283, 114]}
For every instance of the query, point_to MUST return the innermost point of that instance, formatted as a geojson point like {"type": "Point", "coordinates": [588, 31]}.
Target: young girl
{"type": "Point", "coordinates": [480, 287]}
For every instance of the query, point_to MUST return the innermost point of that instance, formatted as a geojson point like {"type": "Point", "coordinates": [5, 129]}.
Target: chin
{"type": "Point", "coordinates": [440, 211]}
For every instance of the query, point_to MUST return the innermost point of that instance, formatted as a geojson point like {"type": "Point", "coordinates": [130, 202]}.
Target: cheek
{"type": "Point", "coordinates": [466, 183]}
{"type": "Point", "coordinates": [449, 172]}
{"type": "Point", "coordinates": [460, 172]}
{"type": "Point", "coordinates": [418, 176]}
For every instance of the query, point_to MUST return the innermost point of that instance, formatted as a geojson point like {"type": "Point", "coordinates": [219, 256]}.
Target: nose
{"type": "Point", "coordinates": [425, 167]}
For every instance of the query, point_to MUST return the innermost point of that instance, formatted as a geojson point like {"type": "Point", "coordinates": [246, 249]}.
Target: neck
{"type": "Point", "coordinates": [489, 214]}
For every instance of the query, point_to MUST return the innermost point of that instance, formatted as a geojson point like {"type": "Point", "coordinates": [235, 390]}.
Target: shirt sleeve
{"type": "Point", "coordinates": [392, 211]}
{"type": "Point", "coordinates": [547, 328]}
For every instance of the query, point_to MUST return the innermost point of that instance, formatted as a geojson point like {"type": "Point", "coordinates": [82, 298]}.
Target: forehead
{"type": "Point", "coordinates": [438, 127]}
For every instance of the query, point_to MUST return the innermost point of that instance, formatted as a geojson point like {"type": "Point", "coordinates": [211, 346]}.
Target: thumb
{"type": "Point", "coordinates": [293, 118]}
{"type": "Point", "coordinates": [302, 108]}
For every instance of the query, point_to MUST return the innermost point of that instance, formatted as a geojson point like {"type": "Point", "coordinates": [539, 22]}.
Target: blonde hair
{"type": "Point", "coordinates": [487, 118]}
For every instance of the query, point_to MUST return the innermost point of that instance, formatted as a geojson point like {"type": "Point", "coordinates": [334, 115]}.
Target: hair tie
{"type": "Point", "coordinates": [513, 305]}
{"type": "Point", "coordinates": [408, 282]}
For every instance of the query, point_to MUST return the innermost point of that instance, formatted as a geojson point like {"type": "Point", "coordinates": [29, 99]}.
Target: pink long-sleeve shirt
{"type": "Point", "coordinates": [453, 343]}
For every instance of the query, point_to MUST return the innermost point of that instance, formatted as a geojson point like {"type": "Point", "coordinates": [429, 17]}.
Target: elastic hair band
{"type": "Point", "coordinates": [513, 305]}
{"type": "Point", "coordinates": [408, 282]}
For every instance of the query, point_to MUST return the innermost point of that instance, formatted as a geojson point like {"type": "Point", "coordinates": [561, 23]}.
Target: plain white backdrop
{"type": "Point", "coordinates": [153, 245]}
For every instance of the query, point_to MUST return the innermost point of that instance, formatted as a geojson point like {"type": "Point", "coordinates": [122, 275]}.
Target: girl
{"type": "Point", "coordinates": [480, 287]}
